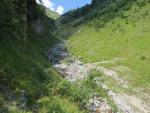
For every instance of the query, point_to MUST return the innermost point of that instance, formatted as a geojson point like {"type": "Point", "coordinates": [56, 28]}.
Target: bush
{"type": "Point", "coordinates": [54, 107]}
{"type": "Point", "coordinates": [143, 58]}
{"type": "Point", "coordinates": [1, 101]}
{"type": "Point", "coordinates": [3, 109]}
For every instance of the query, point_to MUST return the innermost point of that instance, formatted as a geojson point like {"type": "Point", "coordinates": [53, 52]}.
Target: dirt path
{"type": "Point", "coordinates": [73, 70]}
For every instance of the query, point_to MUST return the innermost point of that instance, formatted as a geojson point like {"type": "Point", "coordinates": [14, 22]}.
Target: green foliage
{"type": "Point", "coordinates": [143, 57]}
{"type": "Point", "coordinates": [58, 105]}
{"type": "Point", "coordinates": [117, 30]}
{"type": "Point", "coordinates": [124, 36]}
{"type": "Point", "coordinates": [6, 12]}
{"type": "Point", "coordinates": [76, 95]}
{"type": "Point", "coordinates": [21, 48]}
{"type": "Point", "coordinates": [3, 109]}
{"type": "Point", "coordinates": [102, 10]}
{"type": "Point", "coordinates": [51, 14]}
{"type": "Point", "coordinates": [74, 14]}
{"type": "Point", "coordinates": [121, 31]}
{"type": "Point", "coordinates": [1, 101]}
{"type": "Point", "coordinates": [54, 107]}
{"type": "Point", "coordinates": [79, 92]}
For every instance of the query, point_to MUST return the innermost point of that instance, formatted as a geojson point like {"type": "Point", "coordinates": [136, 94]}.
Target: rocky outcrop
{"type": "Point", "coordinates": [98, 105]}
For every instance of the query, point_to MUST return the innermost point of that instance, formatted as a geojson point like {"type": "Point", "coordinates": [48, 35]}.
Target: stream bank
{"type": "Point", "coordinates": [73, 70]}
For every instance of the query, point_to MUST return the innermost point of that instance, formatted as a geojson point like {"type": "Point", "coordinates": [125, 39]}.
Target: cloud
{"type": "Point", "coordinates": [37, 1]}
{"type": "Point", "coordinates": [51, 6]}
{"type": "Point", "coordinates": [60, 9]}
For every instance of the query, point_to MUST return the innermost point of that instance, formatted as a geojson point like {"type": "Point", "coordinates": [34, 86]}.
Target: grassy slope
{"type": "Point", "coordinates": [52, 14]}
{"type": "Point", "coordinates": [122, 37]}
{"type": "Point", "coordinates": [24, 67]}
{"type": "Point", "coordinates": [21, 57]}
{"type": "Point", "coordinates": [59, 105]}
{"type": "Point", "coordinates": [22, 63]}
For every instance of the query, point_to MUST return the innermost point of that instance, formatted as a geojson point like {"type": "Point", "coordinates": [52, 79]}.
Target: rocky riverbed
{"type": "Point", "coordinates": [74, 70]}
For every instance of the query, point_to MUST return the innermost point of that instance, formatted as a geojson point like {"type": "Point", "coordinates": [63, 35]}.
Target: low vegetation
{"type": "Point", "coordinates": [126, 36]}
{"type": "Point", "coordinates": [100, 31]}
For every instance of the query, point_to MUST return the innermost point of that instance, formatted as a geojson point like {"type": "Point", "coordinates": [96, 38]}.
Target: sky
{"type": "Point", "coordinates": [62, 6]}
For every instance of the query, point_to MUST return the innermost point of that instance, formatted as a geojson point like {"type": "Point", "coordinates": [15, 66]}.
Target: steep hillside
{"type": "Point", "coordinates": [28, 82]}
{"type": "Point", "coordinates": [115, 36]}
{"type": "Point", "coordinates": [125, 35]}
{"type": "Point", "coordinates": [101, 65]}
{"type": "Point", "coordinates": [51, 14]}
{"type": "Point", "coordinates": [25, 32]}
{"type": "Point", "coordinates": [101, 9]}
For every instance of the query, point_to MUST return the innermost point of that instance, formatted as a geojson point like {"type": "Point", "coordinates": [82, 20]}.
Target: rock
{"type": "Point", "coordinates": [12, 96]}
{"type": "Point", "coordinates": [97, 104]}
{"type": "Point", "coordinates": [23, 99]}
{"type": "Point", "coordinates": [73, 69]}
{"type": "Point", "coordinates": [35, 108]}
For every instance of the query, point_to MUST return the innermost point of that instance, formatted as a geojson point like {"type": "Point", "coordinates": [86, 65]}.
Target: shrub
{"type": "Point", "coordinates": [143, 58]}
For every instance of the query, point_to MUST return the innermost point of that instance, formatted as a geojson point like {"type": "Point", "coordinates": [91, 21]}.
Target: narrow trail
{"type": "Point", "coordinates": [74, 70]}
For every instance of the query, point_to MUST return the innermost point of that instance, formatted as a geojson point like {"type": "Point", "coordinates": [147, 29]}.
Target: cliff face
{"type": "Point", "coordinates": [25, 32]}
{"type": "Point", "coordinates": [19, 15]}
